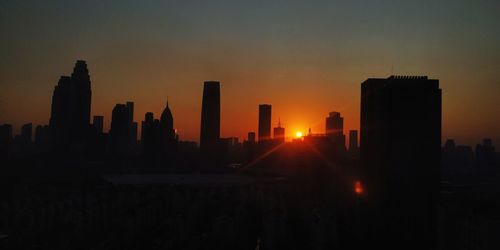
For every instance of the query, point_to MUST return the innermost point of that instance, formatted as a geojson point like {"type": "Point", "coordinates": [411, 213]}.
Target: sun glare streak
{"type": "Point", "coordinates": [263, 156]}
{"type": "Point", "coordinates": [321, 156]}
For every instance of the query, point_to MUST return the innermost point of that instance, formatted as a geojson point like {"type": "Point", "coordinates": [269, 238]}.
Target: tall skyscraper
{"type": "Point", "coordinates": [132, 125]}
{"type": "Point", "coordinates": [130, 107]}
{"type": "Point", "coordinates": [167, 131]}
{"type": "Point", "coordinates": [60, 111]}
{"type": "Point", "coordinates": [27, 133]}
{"type": "Point", "coordinates": [80, 101]}
{"type": "Point", "coordinates": [210, 115]}
{"type": "Point", "coordinates": [148, 120]}
{"type": "Point", "coordinates": [400, 160]}
{"type": "Point", "coordinates": [60, 114]}
{"type": "Point", "coordinates": [334, 127]}
{"type": "Point", "coordinates": [167, 123]}
{"type": "Point", "coordinates": [353, 140]}
{"type": "Point", "coordinates": [264, 122]}
{"type": "Point", "coordinates": [42, 138]}
{"type": "Point", "coordinates": [133, 134]}
{"type": "Point", "coordinates": [279, 133]}
{"type": "Point", "coordinates": [70, 113]}
{"type": "Point", "coordinates": [98, 123]}
{"type": "Point", "coordinates": [120, 129]}
{"type": "Point", "coordinates": [149, 139]}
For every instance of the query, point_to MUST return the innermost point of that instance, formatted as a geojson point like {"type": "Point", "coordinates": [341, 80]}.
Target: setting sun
{"type": "Point", "coordinates": [298, 134]}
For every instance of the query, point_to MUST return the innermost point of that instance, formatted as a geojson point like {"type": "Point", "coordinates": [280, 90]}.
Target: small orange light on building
{"type": "Point", "coordinates": [358, 188]}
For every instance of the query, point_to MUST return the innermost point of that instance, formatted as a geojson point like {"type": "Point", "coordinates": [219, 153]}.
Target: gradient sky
{"type": "Point", "coordinates": [306, 58]}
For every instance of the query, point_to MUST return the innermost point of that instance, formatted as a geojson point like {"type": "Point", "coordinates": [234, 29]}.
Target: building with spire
{"type": "Point", "coordinates": [167, 131]}
{"type": "Point", "coordinates": [279, 133]}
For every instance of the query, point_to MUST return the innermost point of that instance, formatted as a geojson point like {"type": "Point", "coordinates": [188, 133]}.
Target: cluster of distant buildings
{"type": "Point", "coordinates": [210, 139]}
{"type": "Point", "coordinates": [71, 133]}
{"type": "Point", "coordinates": [462, 160]}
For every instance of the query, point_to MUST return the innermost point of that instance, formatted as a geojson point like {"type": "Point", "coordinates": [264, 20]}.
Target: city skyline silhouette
{"type": "Point", "coordinates": [290, 134]}
{"type": "Point", "coordinates": [261, 53]}
{"type": "Point", "coordinates": [249, 125]}
{"type": "Point", "coordinates": [386, 186]}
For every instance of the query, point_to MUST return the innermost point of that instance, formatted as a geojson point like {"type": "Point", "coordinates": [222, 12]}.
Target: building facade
{"type": "Point", "coordinates": [264, 122]}
{"type": "Point", "coordinates": [400, 160]}
{"type": "Point", "coordinates": [210, 115]}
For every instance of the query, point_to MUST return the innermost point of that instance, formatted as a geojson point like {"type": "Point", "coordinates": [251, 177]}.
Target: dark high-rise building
{"type": "Point", "coordinates": [148, 120]}
{"type": "Point", "coordinates": [400, 160]}
{"type": "Point", "coordinates": [130, 107]}
{"type": "Point", "coordinates": [334, 124]}
{"type": "Point", "coordinates": [60, 111]}
{"type": "Point", "coordinates": [22, 142]}
{"type": "Point", "coordinates": [5, 133]}
{"type": "Point", "coordinates": [80, 101]}
{"type": "Point", "coordinates": [132, 125]}
{"type": "Point", "coordinates": [353, 140]}
{"type": "Point", "coordinates": [150, 136]}
{"type": "Point", "coordinates": [60, 114]}
{"type": "Point", "coordinates": [70, 113]}
{"type": "Point", "coordinates": [210, 115]}
{"type": "Point", "coordinates": [250, 147]}
{"type": "Point", "coordinates": [230, 144]}
{"type": "Point", "coordinates": [5, 139]}
{"type": "Point", "coordinates": [485, 155]}
{"type": "Point", "coordinates": [27, 133]}
{"type": "Point", "coordinates": [98, 123]}
{"type": "Point", "coordinates": [450, 144]}
{"type": "Point", "coordinates": [42, 137]}
{"type": "Point", "coordinates": [167, 131]}
{"type": "Point", "coordinates": [279, 133]}
{"type": "Point", "coordinates": [167, 123]}
{"type": "Point", "coordinates": [334, 127]}
{"type": "Point", "coordinates": [264, 122]}
{"type": "Point", "coordinates": [251, 136]}
{"type": "Point", "coordinates": [133, 134]}
{"type": "Point", "coordinates": [120, 129]}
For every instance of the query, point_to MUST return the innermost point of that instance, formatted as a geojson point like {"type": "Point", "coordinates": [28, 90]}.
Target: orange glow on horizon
{"type": "Point", "coordinates": [298, 134]}
{"type": "Point", "coordinates": [358, 188]}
